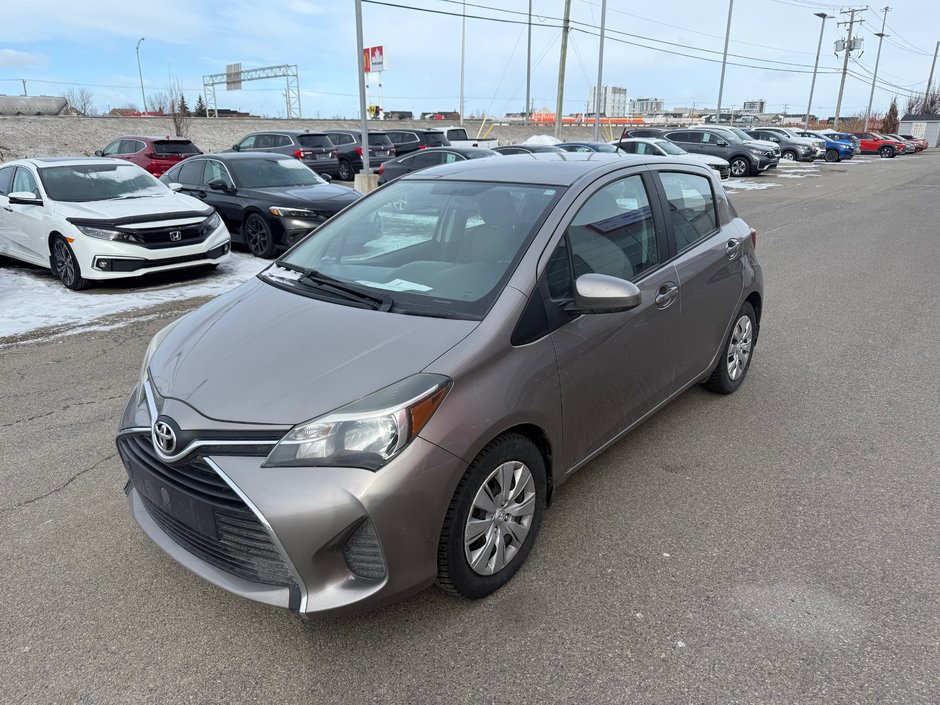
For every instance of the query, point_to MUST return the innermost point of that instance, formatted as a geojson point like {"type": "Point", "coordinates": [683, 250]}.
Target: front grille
{"type": "Point", "coordinates": [193, 505]}
{"type": "Point", "coordinates": [159, 238]}
{"type": "Point", "coordinates": [132, 265]}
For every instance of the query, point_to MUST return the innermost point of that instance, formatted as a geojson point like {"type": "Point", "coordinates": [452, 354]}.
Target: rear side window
{"type": "Point", "coordinates": [691, 207]}
{"type": "Point", "coordinates": [425, 159]}
{"type": "Point", "coordinates": [168, 147]}
{"type": "Point", "coordinates": [130, 147]}
{"type": "Point", "coordinates": [341, 138]}
{"type": "Point", "coordinates": [315, 141]}
{"type": "Point", "coordinates": [6, 178]}
{"type": "Point", "coordinates": [435, 139]}
{"type": "Point", "coordinates": [380, 140]}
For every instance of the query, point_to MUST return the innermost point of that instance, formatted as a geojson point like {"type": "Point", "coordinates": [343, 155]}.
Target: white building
{"type": "Point", "coordinates": [647, 106]}
{"type": "Point", "coordinates": [754, 106]}
{"type": "Point", "coordinates": [613, 101]}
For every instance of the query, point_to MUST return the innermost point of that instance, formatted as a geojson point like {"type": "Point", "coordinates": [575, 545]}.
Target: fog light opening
{"type": "Point", "coordinates": [363, 554]}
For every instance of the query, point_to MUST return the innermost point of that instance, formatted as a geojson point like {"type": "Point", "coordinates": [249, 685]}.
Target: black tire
{"type": "Point", "coordinates": [788, 155]}
{"type": "Point", "coordinates": [832, 155]}
{"type": "Point", "coordinates": [887, 152]}
{"type": "Point", "coordinates": [257, 236]}
{"type": "Point", "coordinates": [740, 166]}
{"type": "Point", "coordinates": [454, 572]}
{"type": "Point", "coordinates": [345, 170]}
{"type": "Point", "coordinates": [721, 380]}
{"type": "Point", "coordinates": [65, 265]}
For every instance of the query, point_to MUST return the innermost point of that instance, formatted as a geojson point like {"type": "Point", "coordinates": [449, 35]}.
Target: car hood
{"type": "Point", "coordinates": [326, 197]}
{"type": "Point", "coordinates": [171, 203]}
{"type": "Point", "coordinates": [259, 354]}
{"type": "Point", "coordinates": [707, 159]}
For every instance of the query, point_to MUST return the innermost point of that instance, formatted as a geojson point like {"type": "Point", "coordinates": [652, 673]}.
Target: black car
{"type": "Point", "coordinates": [315, 149]}
{"type": "Point", "coordinates": [268, 201]}
{"type": "Point", "coordinates": [349, 144]}
{"type": "Point", "coordinates": [587, 147]}
{"type": "Point", "coordinates": [435, 156]}
{"type": "Point", "coordinates": [529, 149]}
{"type": "Point", "coordinates": [408, 141]}
{"type": "Point", "coordinates": [744, 158]}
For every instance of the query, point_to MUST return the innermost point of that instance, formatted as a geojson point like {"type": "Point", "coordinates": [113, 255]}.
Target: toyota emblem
{"type": "Point", "coordinates": [164, 437]}
{"type": "Point", "coordinates": [176, 235]}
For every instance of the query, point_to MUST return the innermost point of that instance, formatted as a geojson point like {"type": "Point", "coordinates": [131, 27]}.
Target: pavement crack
{"type": "Point", "coordinates": [61, 487]}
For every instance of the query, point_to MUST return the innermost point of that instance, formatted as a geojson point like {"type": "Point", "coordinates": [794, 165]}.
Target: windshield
{"type": "Point", "coordinates": [739, 133]}
{"type": "Point", "coordinates": [99, 182]}
{"type": "Point", "coordinates": [669, 147]}
{"type": "Point", "coordinates": [270, 172]}
{"type": "Point", "coordinates": [438, 248]}
{"type": "Point", "coordinates": [165, 147]}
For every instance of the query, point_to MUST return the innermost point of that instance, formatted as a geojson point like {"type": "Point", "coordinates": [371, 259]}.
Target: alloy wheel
{"type": "Point", "coordinates": [345, 171]}
{"type": "Point", "coordinates": [788, 156]}
{"type": "Point", "coordinates": [739, 347]}
{"type": "Point", "coordinates": [500, 518]}
{"type": "Point", "coordinates": [258, 237]}
{"type": "Point", "coordinates": [738, 167]}
{"type": "Point", "coordinates": [64, 264]}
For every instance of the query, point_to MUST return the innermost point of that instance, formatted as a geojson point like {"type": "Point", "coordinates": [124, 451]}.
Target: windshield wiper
{"type": "Point", "coordinates": [311, 277]}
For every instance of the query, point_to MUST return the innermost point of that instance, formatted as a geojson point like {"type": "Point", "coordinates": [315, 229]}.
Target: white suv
{"type": "Point", "coordinates": [91, 219]}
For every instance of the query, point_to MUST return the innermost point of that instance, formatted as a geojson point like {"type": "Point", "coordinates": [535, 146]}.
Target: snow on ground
{"type": "Point", "coordinates": [30, 298]}
{"type": "Point", "coordinates": [746, 185]}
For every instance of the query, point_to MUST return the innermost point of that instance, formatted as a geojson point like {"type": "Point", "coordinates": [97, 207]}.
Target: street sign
{"type": "Point", "coordinates": [233, 77]}
{"type": "Point", "coordinates": [374, 59]}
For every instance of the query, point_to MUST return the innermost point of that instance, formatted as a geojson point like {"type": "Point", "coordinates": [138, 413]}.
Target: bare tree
{"type": "Point", "coordinates": [159, 102]}
{"type": "Point", "coordinates": [81, 100]}
{"type": "Point", "coordinates": [179, 113]}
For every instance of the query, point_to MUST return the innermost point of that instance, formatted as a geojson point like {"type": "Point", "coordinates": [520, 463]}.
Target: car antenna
{"type": "Point", "coordinates": [623, 133]}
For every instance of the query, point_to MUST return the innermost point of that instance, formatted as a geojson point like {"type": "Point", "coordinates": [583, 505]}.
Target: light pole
{"type": "Point", "coordinates": [600, 75]}
{"type": "Point", "coordinates": [463, 46]}
{"type": "Point", "coordinates": [724, 61]}
{"type": "Point", "coordinates": [143, 107]}
{"type": "Point", "coordinates": [871, 96]}
{"type": "Point", "coordinates": [812, 86]}
{"type": "Point", "coordinates": [363, 115]}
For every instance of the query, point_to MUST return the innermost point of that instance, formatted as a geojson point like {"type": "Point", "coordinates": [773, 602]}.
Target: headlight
{"type": "Point", "coordinates": [367, 433]}
{"type": "Point", "coordinates": [106, 234]}
{"type": "Point", "coordinates": [152, 348]}
{"type": "Point", "coordinates": [212, 223]}
{"type": "Point", "coordinates": [292, 212]}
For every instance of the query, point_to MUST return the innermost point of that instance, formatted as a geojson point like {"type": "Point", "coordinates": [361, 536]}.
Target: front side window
{"type": "Point", "coordinates": [112, 148]}
{"type": "Point", "coordinates": [613, 233]}
{"type": "Point", "coordinates": [216, 171]}
{"type": "Point", "coordinates": [691, 207]}
{"type": "Point", "coordinates": [6, 179]}
{"type": "Point", "coordinates": [248, 142]}
{"type": "Point", "coordinates": [436, 247]}
{"type": "Point", "coordinates": [190, 172]}
{"type": "Point", "coordinates": [24, 182]}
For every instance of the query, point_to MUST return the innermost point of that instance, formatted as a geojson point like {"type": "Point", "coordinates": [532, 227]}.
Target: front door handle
{"type": "Point", "coordinates": [7, 208]}
{"type": "Point", "coordinates": [667, 293]}
{"type": "Point", "coordinates": [733, 248]}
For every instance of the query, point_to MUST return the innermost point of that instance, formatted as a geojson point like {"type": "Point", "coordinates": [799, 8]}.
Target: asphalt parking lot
{"type": "Point", "coordinates": [781, 545]}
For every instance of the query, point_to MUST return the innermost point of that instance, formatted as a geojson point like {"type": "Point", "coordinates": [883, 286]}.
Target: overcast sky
{"type": "Point", "coordinates": [55, 44]}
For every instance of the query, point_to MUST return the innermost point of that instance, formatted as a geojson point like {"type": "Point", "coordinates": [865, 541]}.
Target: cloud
{"type": "Point", "coordinates": [10, 58]}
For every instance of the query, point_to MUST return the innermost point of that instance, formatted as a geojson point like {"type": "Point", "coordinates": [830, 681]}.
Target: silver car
{"type": "Point", "coordinates": [394, 400]}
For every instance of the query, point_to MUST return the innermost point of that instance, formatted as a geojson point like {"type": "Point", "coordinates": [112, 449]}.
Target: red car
{"type": "Point", "coordinates": [873, 143]}
{"type": "Point", "coordinates": [155, 154]}
{"type": "Point", "coordinates": [918, 142]}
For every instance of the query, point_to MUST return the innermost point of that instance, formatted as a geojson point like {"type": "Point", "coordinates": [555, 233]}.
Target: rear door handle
{"type": "Point", "coordinates": [7, 208]}
{"type": "Point", "coordinates": [733, 248]}
{"type": "Point", "coordinates": [667, 293]}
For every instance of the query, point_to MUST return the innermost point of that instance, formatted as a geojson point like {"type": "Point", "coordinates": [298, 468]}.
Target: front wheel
{"type": "Point", "coordinates": [493, 518]}
{"type": "Point", "coordinates": [734, 363]}
{"type": "Point", "coordinates": [832, 155]}
{"type": "Point", "coordinates": [887, 152]}
{"type": "Point", "coordinates": [740, 166]}
{"type": "Point", "coordinates": [258, 236]}
{"type": "Point", "coordinates": [65, 265]}
{"type": "Point", "coordinates": [788, 155]}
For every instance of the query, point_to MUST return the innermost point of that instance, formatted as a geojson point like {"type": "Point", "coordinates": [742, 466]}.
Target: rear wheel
{"type": "Point", "coordinates": [788, 155]}
{"type": "Point", "coordinates": [735, 361]}
{"type": "Point", "coordinates": [832, 155]}
{"type": "Point", "coordinates": [258, 236]}
{"type": "Point", "coordinates": [65, 265]}
{"type": "Point", "coordinates": [345, 170]}
{"type": "Point", "coordinates": [887, 152]}
{"type": "Point", "coordinates": [493, 518]}
{"type": "Point", "coordinates": [739, 166]}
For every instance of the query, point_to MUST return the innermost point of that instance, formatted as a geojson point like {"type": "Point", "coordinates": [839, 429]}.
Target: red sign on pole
{"type": "Point", "coordinates": [373, 59]}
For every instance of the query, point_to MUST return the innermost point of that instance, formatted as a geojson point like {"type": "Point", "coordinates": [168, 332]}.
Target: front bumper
{"type": "Point", "coordinates": [106, 259]}
{"type": "Point", "coordinates": [315, 540]}
{"type": "Point", "coordinates": [764, 163]}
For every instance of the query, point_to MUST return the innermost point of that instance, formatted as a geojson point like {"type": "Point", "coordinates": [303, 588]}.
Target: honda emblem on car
{"type": "Point", "coordinates": [164, 437]}
{"type": "Point", "coordinates": [176, 236]}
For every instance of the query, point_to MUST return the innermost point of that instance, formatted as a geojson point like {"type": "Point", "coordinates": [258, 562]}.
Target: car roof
{"type": "Point", "coordinates": [543, 168]}
{"type": "Point", "coordinates": [286, 132]}
{"type": "Point", "coordinates": [234, 156]}
{"type": "Point", "coordinates": [153, 138]}
{"type": "Point", "coordinates": [68, 161]}
{"type": "Point", "coordinates": [576, 144]}
{"type": "Point", "coordinates": [354, 132]}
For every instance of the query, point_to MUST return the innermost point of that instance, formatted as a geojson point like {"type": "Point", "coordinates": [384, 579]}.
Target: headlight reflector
{"type": "Point", "coordinates": [106, 234]}
{"type": "Point", "coordinates": [293, 212]}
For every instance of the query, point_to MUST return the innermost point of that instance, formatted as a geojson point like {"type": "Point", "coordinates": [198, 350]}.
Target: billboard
{"type": "Point", "coordinates": [233, 77]}
{"type": "Point", "coordinates": [373, 59]}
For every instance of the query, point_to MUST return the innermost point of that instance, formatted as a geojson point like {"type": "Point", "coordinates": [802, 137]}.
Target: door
{"type": "Point", "coordinates": [23, 223]}
{"type": "Point", "coordinates": [710, 273]}
{"type": "Point", "coordinates": [227, 203]}
{"type": "Point", "coordinates": [690, 141]}
{"type": "Point", "coordinates": [8, 246]}
{"type": "Point", "coordinates": [613, 367]}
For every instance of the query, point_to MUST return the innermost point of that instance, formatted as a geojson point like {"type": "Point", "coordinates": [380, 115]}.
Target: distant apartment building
{"type": "Point", "coordinates": [754, 106]}
{"type": "Point", "coordinates": [647, 106]}
{"type": "Point", "coordinates": [613, 101]}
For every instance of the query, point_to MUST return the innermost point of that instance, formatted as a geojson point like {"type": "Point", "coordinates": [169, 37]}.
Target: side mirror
{"type": "Point", "coordinates": [600, 293]}
{"type": "Point", "coordinates": [175, 187]}
{"type": "Point", "coordinates": [722, 143]}
{"type": "Point", "coordinates": [99, 153]}
{"type": "Point", "coordinates": [236, 147]}
{"type": "Point", "coordinates": [24, 198]}
{"type": "Point", "coordinates": [327, 178]}
{"type": "Point", "coordinates": [219, 185]}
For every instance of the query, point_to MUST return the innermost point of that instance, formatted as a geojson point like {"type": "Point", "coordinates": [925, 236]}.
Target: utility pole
{"type": "Point", "coordinates": [930, 79]}
{"type": "Point", "coordinates": [463, 44]}
{"type": "Point", "coordinates": [600, 74]}
{"type": "Point", "coordinates": [565, 29]}
{"type": "Point", "coordinates": [143, 98]}
{"type": "Point", "coordinates": [845, 64]}
{"type": "Point", "coordinates": [363, 115]}
{"type": "Point", "coordinates": [724, 61]}
{"type": "Point", "coordinates": [881, 35]}
{"type": "Point", "coordinates": [24, 87]}
{"type": "Point", "coordinates": [528, 68]}
{"type": "Point", "coordinates": [812, 86]}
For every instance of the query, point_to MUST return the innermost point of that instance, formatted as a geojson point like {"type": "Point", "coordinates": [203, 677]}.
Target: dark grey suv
{"type": "Point", "coordinates": [349, 144]}
{"type": "Point", "coordinates": [744, 158]}
{"type": "Point", "coordinates": [315, 149]}
{"type": "Point", "coordinates": [395, 400]}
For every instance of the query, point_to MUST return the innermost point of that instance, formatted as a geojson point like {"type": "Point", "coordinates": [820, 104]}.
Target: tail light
{"type": "Point", "coordinates": [359, 151]}
{"type": "Point", "coordinates": [381, 168]}
{"type": "Point", "coordinates": [299, 153]}
{"type": "Point", "coordinates": [753, 238]}
{"type": "Point", "coordinates": [422, 146]}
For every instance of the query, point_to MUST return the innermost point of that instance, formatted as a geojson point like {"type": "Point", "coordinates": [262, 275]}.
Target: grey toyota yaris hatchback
{"type": "Point", "coordinates": [394, 400]}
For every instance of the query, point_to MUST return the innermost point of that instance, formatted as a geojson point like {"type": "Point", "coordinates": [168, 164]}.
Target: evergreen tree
{"type": "Point", "coordinates": [201, 107]}
{"type": "Point", "coordinates": [890, 124]}
{"type": "Point", "coordinates": [183, 107]}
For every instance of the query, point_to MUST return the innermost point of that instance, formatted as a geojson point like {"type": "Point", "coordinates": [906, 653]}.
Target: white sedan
{"type": "Point", "coordinates": [91, 219]}
{"type": "Point", "coordinates": [664, 148]}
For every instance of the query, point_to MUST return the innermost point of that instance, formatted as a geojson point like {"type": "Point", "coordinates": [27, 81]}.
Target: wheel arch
{"type": "Point", "coordinates": [754, 299]}
{"type": "Point", "coordinates": [540, 439]}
